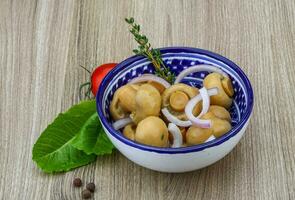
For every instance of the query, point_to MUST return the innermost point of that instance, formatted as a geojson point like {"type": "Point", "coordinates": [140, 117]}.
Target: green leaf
{"type": "Point", "coordinates": [128, 20]}
{"type": "Point", "coordinates": [141, 48]}
{"type": "Point", "coordinates": [92, 138]}
{"type": "Point", "coordinates": [137, 27]}
{"type": "Point", "coordinates": [53, 151]}
{"type": "Point", "coordinates": [136, 51]}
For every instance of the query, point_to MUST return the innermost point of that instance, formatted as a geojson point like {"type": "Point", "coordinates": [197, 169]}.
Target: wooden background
{"type": "Point", "coordinates": [42, 43]}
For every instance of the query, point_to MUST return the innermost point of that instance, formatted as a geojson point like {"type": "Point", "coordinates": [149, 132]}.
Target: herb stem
{"type": "Point", "coordinates": [154, 55]}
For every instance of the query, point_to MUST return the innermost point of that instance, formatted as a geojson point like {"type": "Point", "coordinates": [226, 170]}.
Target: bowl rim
{"type": "Point", "coordinates": [195, 148]}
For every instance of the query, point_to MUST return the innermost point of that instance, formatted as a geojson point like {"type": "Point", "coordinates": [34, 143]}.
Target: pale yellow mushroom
{"type": "Point", "coordinates": [225, 89]}
{"type": "Point", "coordinates": [180, 87]}
{"type": "Point", "coordinates": [219, 126]}
{"type": "Point", "coordinates": [127, 97]}
{"type": "Point", "coordinates": [116, 110]}
{"type": "Point", "coordinates": [129, 131]}
{"type": "Point", "coordinates": [227, 86]}
{"type": "Point", "coordinates": [196, 135]}
{"type": "Point", "coordinates": [152, 131]}
{"type": "Point", "coordinates": [220, 112]}
{"type": "Point", "coordinates": [148, 103]}
{"type": "Point", "coordinates": [123, 101]}
{"type": "Point", "coordinates": [178, 100]}
{"type": "Point", "coordinates": [176, 97]}
{"type": "Point", "coordinates": [157, 85]}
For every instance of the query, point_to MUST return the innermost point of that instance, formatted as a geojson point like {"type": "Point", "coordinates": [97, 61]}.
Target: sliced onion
{"type": "Point", "coordinates": [177, 136]}
{"type": "Point", "coordinates": [171, 118]}
{"type": "Point", "coordinates": [193, 102]}
{"type": "Point", "coordinates": [210, 138]}
{"type": "Point", "coordinates": [198, 68]}
{"type": "Point", "coordinates": [121, 123]}
{"type": "Point", "coordinates": [150, 77]}
{"type": "Point", "coordinates": [205, 101]}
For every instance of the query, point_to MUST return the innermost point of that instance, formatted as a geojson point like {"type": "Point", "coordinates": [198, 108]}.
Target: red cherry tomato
{"type": "Point", "coordinates": [98, 74]}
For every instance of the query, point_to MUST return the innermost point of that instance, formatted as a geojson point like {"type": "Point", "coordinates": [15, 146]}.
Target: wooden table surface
{"type": "Point", "coordinates": [42, 44]}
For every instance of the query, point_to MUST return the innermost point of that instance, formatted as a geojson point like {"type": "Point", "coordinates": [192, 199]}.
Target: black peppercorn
{"type": "Point", "coordinates": [90, 187]}
{"type": "Point", "coordinates": [86, 194]}
{"type": "Point", "coordinates": [77, 182]}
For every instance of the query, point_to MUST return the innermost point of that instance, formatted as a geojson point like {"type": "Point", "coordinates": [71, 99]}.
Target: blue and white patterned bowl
{"type": "Point", "coordinates": [185, 158]}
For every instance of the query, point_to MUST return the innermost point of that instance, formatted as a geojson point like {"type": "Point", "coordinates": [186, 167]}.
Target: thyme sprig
{"type": "Point", "coordinates": [145, 49]}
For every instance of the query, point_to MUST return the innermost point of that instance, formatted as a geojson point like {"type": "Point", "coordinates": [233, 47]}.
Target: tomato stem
{"type": "Point", "coordinates": [80, 90]}
{"type": "Point", "coordinates": [88, 93]}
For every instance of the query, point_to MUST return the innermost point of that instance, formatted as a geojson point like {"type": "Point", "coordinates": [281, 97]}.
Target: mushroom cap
{"type": "Point", "coordinates": [127, 97]}
{"type": "Point", "coordinates": [219, 126]}
{"type": "Point", "coordinates": [196, 135]}
{"type": "Point", "coordinates": [129, 131]}
{"type": "Point", "coordinates": [152, 131]}
{"type": "Point", "coordinates": [214, 80]}
{"type": "Point", "coordinates": [123, 101]}
{"type": "Point", "coordinates": [148, 103]}
{"type": "Point", "coordinates": [220, 112]}
{"type": "Point", "coordinates": [227, 86]}
{"type": "Point", "coordinates": [116, 110]}
{"type": "Point", "coordinates": [158, 86]}
{"type": "Point", "coordinates": [208, 115]}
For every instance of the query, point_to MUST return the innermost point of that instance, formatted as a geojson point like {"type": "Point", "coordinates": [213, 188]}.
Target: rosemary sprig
{"type": "Point", "coordinates": [145, 49]}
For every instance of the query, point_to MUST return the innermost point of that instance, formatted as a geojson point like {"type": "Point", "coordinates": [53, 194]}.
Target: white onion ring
{"type": "Point", "coordinates": [150, 77]}
{"type": "Point", "coordinates": [198, 68]}
{"type": "Point", "coordinates": [177, 136]}
{"type": "Point", "coordinates": [171, 118]}
{"type": "Point", "coordinates": [205, 101]}
{"type": "Point", "coordinates": [210, 138]}
{"type": "Point", "coordinates": [121, 123]}
{"type": "Point", "coordinates": [192, 103]}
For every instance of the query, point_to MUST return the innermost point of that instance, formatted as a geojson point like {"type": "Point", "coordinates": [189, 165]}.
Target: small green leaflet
{"type": "Point", "coordinates": [54, 152]}
{"type": "Point", "coordinates": [92, 138]}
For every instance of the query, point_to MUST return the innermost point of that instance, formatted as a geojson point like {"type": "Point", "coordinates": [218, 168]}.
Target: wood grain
{"type": "Point", "coordinates": [42, 43]}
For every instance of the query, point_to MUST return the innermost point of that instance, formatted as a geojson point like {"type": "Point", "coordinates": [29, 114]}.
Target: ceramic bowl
{"type": "Point", "coordinates": [185, 158]}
